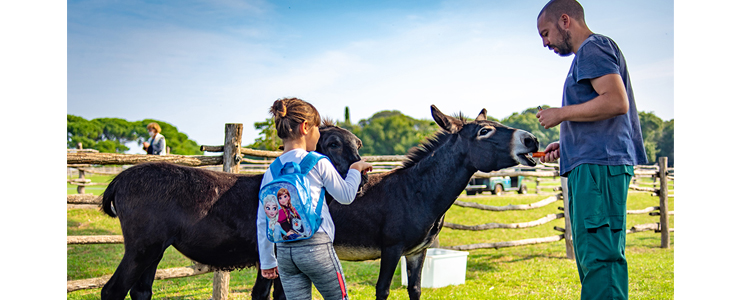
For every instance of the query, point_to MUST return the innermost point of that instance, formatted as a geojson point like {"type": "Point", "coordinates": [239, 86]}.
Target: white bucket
{"type": "Point", "coordinates": [441, 267]}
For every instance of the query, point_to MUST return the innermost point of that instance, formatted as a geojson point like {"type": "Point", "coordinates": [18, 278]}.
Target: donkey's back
{"type": "Point", "coordinates": [205, 214]}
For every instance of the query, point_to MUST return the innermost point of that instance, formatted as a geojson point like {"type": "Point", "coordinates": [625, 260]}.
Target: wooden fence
{"type": "Point", "coordinates": [236, 160]}
{"type": "Point", "coordinates": [660, 172]}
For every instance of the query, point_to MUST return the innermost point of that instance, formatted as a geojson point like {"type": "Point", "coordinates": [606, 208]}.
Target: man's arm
{"type": "Point", "coordinates": [612, 101]}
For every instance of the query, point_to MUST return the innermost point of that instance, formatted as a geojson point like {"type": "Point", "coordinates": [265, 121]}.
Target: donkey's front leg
{"type": "Point", "coordinates": [414, 265]}
{"type": "Point", "coordinates": [388, 262]}
{"type": "Point", "coordinates": [261, 287]}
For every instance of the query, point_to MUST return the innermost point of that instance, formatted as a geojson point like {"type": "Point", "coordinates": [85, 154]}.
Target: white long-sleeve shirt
{"type": "Point", "coordinates": [323, 174]}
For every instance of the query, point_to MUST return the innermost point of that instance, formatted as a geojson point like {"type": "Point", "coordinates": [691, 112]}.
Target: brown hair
{"type": "Point", "coordinates": [555, 8]}
{"type": "Point", "coordinates": [289, 113]}
{"type": "Point", "coordinates": [282, 191]}
{"type": "Point", "coordinates": [154, 126]}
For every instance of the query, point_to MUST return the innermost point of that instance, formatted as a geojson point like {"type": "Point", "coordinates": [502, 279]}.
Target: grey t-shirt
{"type": "Point", "coordinates": [614, 141]}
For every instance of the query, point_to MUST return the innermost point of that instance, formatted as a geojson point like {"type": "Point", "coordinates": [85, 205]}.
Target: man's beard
{"type": "Point", "coordinates": [566, 47]}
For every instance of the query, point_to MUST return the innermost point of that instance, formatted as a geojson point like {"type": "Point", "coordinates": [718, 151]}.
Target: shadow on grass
{"type": "Point", "coordinates": [484, 262]}
{"type": "Point", "coordinates": [649, 241]}
{"type": "Point", "coordinates": [536, 256]}
{"type": "Point", "coordinates": [490, 262]}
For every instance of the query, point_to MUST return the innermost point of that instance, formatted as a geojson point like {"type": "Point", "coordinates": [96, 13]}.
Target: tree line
{"type": "Point", "coordinates": [109, 135]}
{"type": "Point", "coordinates": [388, 132]}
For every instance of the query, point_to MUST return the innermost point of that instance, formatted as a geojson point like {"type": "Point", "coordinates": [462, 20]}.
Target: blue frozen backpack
{"type": "Point", "coordinates": [287, 201]}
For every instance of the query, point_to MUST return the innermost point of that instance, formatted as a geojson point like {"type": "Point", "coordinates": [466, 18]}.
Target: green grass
{"type": "Point", "coordinates": [528, 272]}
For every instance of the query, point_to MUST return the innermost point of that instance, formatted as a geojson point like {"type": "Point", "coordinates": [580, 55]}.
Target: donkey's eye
{"type": "Point", "coordinates": [333, 145]}
{"type": "Point", "coordinates": [486, 132]}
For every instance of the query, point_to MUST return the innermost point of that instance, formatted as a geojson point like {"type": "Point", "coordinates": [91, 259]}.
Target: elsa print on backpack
{"type": "Point", "coordinates": [271, 207]}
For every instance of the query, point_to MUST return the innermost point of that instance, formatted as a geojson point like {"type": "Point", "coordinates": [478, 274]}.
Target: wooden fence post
{"type": "Point", "coordinates": [81, 189]}
{"type": "Point", "coordinates": [569, 253]}
{"type": "Point", "coordinates": [231, 158]}
{"type": "Point", "coordinates": [664, 202]}
{"type": "Point", "coordinates": [232, 148]}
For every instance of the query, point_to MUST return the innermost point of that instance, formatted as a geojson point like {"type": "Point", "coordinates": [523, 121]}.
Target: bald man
{"type": "Point", "coordinates": [600, 142]}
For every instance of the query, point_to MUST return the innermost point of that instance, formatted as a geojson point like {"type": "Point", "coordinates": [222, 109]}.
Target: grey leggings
{"type": "Point", "coordinates": [305, 262]}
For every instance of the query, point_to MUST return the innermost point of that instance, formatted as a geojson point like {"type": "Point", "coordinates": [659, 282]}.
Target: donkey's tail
{"type": "Point", "coordinates": [107, 199]}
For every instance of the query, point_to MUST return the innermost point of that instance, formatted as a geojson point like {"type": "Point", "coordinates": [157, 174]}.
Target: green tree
{"type": "Point", "coordinates": [106, 134]}
{"type": "Point", "coordinates": [392, 133]}
{"type": "Point", "coordinates": [109, 135]}
{"type": "Point", "coordinates": [347, 124]}
{"type": "Point", "coordinates": [666, 143]}
{"type": "Point", "coordinates": [651, 131]}
{"type": "Point", "coordinates": [528, 122]}
{"type": "Point", "coordinates": [267, 140]}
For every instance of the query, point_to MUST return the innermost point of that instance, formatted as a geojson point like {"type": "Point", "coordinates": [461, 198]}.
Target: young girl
{"type": "Point", "coordinates": [312, 261]}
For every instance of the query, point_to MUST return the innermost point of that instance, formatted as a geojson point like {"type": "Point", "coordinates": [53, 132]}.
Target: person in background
{"type": "Point", "coordinates": [156, 145]}
{"type": "Point", "coordinates": [600, 142]}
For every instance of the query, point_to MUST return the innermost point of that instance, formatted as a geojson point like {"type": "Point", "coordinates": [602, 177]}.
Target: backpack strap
{"type": "Point", "coordinates": [320, 202]}
{"type": "Point", "coordinates": [275, 168]}
{"type": "Point", "coordinates": [306, 165]}
{"type": "Point", "coordinates": [309, 161]}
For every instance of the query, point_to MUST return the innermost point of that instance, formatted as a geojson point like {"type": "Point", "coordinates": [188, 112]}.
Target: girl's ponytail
{"type": "Point", "coordinates": [289, 113]}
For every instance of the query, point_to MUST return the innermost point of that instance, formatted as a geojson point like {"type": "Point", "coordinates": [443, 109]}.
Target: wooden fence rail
{"type": "Point", "coordinates": [538, 204]}
{"type": "Point", "coordinates": [498, 245]}
{"type": "Point", "coordinates": [92, 283]}
{"type": "Point", "coordinates": [487, 226]}
{"type": "Point", "coordinates": [133, 159]}
{"type": "Point", "coordinates": [94, 239]}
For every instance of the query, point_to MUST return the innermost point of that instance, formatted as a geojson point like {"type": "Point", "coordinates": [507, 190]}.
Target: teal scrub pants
{"type": "Point", "coordinates": [597, 210]}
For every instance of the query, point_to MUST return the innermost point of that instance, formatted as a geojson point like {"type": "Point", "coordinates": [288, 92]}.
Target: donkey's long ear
{"type": "Point", "coordinates": [482, 115]}
{"type": "Point", "coordinates": [448, 123]}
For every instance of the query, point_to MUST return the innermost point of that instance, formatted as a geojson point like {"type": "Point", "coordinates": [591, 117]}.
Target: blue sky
{"type": "Point", "coordinates": [201, 64]}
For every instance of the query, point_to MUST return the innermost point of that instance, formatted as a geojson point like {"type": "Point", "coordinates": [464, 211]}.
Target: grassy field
{"type": "Point", "coordinates": [528, 272]}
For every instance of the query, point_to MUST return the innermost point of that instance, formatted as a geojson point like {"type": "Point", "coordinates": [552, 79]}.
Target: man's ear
{"type": "Point", "coordinates": [564, 21]}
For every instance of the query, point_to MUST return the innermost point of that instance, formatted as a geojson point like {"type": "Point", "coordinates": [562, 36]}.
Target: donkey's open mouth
{"type": "Point", "coordinates": [523, 145]}
{"type": "Point", "coordinates": [526, 159]}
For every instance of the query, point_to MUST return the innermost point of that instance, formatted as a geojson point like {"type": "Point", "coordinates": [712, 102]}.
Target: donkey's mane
{"type": "Point", "coordinates": [425, 148]}
{"type": "Point", "coordinates": [327, 122]}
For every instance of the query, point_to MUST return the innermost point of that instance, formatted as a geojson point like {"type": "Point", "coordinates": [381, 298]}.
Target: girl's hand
{"type": "Point", "coordinates": [271, 273]}
{"type": "Point", "coordinates": [362, 166]}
